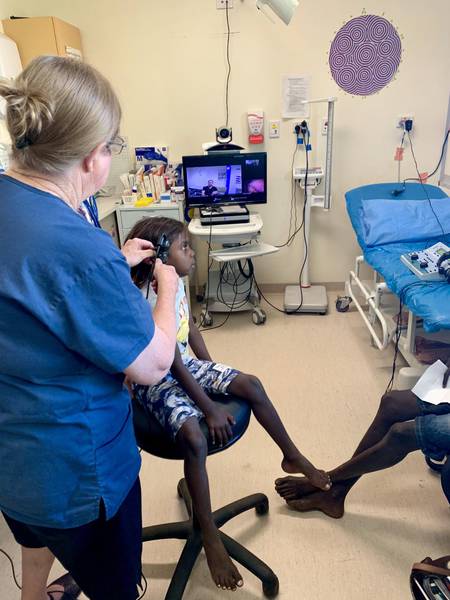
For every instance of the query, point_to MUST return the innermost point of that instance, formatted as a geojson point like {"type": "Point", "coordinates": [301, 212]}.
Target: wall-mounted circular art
{"type": "Point", "coordinates": [365, 55]}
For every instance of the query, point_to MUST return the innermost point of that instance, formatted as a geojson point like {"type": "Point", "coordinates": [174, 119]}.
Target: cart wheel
{"type": "Point", "coordinates": [259, 317]}
{"type": "Point", "coordinates": [206, 319]}
{"type": "Point", "coordinates": [343, 303]}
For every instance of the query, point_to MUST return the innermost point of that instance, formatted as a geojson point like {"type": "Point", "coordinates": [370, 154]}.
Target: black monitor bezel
{"type": "Point", "coordinates": [215, 159]}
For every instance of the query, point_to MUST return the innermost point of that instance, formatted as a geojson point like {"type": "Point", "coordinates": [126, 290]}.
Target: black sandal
{"type": "Point", "coordinates": [71, 589]}
{"type": "Point", "coordinates": [430, 573]}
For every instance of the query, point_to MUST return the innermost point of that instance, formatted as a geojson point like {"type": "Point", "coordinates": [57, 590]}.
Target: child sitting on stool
{"type": "Point", "coordinates": [181, 399]}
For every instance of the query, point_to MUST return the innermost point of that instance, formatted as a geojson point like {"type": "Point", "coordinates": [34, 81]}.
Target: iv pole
{"type": "Point", "coordinates": [312, 299]}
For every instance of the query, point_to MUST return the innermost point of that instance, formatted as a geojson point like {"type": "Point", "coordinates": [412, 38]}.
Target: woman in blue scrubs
{"type": "Point", "coordinates": [72, 325]}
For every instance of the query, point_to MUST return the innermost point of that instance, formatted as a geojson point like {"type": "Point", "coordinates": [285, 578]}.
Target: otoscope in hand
{"type": "Point", "coordinates": [161, 252]}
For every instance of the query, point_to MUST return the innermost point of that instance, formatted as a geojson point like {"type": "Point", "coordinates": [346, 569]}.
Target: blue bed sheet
{"type": "Point", "coordinates": [428, 300]}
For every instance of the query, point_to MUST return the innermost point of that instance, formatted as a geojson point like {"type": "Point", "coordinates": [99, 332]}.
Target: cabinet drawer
{"type": "Point", "coordinates": [130, 217]}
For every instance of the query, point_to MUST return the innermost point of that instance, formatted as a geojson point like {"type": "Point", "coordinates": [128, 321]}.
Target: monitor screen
{"type": "Point", "coordinates": [219, 180]}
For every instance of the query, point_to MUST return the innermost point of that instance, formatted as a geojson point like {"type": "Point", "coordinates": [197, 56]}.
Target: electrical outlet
{"type": "Point", "coordinates": [401, 120]}
{"type": "Point", "coordinates": [222, 4]}
{"type": "Point", "coordinates": [274, 129]}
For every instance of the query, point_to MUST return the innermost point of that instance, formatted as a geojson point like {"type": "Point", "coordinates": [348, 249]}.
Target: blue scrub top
{"type": "Point", "coordinates": [71, 321]}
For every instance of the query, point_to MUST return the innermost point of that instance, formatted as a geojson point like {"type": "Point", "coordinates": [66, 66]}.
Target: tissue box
{"type": "Point", "coordinates": [128, 198]}
{"type": "Point", "coordinates": [165, 197]}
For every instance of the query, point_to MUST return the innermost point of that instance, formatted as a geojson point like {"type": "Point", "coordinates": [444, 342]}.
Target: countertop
{"type": "Point", "coordinates": [107, 206]}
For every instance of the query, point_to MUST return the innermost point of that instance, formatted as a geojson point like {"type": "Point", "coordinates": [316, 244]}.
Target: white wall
{"type": "Point", "coordinates": [166, 59]}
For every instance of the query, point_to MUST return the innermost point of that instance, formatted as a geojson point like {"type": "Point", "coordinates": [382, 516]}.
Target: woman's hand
{"type": "Point", "coordinates": [165, 277]}
{"type": "Point", "coordinates": [137, 250]}
{"type": "Point", "coordinates": [219, 423]}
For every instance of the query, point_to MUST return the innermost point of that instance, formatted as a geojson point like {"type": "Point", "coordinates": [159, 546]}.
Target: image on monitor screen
{"type": "Point", "coordinates": [214, 181]}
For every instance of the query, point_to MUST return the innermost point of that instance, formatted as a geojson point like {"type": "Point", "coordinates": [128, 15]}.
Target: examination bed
{"type": "Point", "coordinates": [388, 225]}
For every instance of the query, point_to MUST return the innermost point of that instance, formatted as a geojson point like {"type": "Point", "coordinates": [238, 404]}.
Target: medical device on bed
{"type": "Point", "coordinates": [431, 264]}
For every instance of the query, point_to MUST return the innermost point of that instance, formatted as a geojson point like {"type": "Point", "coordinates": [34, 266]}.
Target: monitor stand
{"type": "Point", "coordinates": [221, 215]}
{"type": "Point", "coordinates": [315, 300]}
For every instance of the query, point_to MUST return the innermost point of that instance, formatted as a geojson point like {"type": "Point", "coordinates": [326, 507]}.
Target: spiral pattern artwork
{"type": "Point", "coordinates": [365, 55]}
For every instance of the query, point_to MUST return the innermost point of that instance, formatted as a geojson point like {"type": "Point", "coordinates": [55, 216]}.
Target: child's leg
{"type": "Point", "coordinates": [224, 573]}
{"type": "Point", "coordinates": [251, 389]}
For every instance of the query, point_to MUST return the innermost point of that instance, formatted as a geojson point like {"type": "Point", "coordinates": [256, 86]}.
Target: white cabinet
{"type": "Point", "coordinates": [128, 216]}
{"type": "Point", "coordinates": [109, 224]}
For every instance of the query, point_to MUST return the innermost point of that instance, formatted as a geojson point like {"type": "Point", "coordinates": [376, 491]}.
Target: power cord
{"type": "Point", "coordinates": [423, 186]}
{"type": "Point", "coordinates": [293, 210]}
{"type": "Point", "coordinates": [399, 161]}
{"type": "Point", "coordinates": [12, 568]}
{"type": "Point", "coordinates": [419, 179]}
{"type": "Point", "coordinates": [398, 329]}
{"type": "Point", "coordinates": [209, 263]}
{"type": "Point", "coordinates": [439, 161]}
{"type": "Point", "coordinates": [143, 585]}
{"type": "Point", "coordinates": [219, 294]}
{"type": "Point", "coordinates": [305, 239]}
{"type": "Point", "coordinates": [307, 140]}
{"type": "Point", "coordinates": [442, 154]}
{"type": "Point", "coordinates": [227, 87]}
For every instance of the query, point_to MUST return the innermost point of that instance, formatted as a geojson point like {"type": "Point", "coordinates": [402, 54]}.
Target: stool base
{"type": "Point", "coordinates": [188, 530]}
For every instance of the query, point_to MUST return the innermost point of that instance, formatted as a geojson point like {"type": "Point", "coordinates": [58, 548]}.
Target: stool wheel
{"type": "Point", "coordinates": [262, 508]}
{"type": "Point", "coordinates": [271, 588]}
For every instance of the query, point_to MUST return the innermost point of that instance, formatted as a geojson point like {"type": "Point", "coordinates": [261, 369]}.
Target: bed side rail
{"type": "Point", "coordinates": [372, 299]}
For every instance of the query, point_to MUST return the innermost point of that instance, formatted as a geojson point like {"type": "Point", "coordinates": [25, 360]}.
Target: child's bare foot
{"type": "Point", "coordinates": [300, 464]}
{"type": "Point", "coordinates": [292, 488]}
{"type": "Point", "coordinates": [331, 503]}
{"type": "Point", "coordinates": [224, 573]}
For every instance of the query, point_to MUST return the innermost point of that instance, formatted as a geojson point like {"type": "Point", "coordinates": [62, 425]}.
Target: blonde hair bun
{"type": "Point", "coordinates": [28, 113]}
{"type": "Point", "coordinates": [57, 111]}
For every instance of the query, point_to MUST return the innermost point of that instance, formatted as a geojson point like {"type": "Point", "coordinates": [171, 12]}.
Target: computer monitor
{"type": "Point", "coordinates": [225, 179]}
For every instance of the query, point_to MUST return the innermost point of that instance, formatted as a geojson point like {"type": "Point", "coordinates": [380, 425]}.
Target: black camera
{"type": "Point", "coordinates": [224, 134]}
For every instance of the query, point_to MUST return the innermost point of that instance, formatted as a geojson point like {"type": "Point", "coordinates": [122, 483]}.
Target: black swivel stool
{"type": "Point", "coordinates": [152, 438]}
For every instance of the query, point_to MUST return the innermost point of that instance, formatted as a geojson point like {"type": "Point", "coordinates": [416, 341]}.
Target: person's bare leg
{"type": "Point", "coordinates": [250, 389]}
{"type": "Point", "coordinates": [224, 573]}
{"type": "Point", "coordinates": [396, 407]}
{"type": "Point", "coordinates": [36, 565]}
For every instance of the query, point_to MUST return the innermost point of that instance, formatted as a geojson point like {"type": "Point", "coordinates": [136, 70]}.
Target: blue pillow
{"type": "Point", "coordinates": [389, 221]}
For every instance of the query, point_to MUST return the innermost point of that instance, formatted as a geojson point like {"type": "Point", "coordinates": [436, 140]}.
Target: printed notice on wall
{"type": "Point", "coordinates": [295, 92]}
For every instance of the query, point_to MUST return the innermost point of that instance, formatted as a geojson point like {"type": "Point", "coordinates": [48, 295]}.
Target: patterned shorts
{"type": "Point", "coordinates": [170, 404]}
